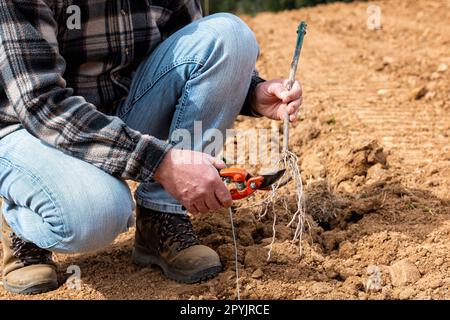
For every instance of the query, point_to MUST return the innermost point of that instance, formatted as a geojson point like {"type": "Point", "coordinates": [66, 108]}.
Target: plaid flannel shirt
{"type": "Point", "coordinates": [63, 85]}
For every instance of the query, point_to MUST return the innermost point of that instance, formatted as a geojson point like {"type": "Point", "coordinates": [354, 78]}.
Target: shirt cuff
{"type": "Point", "coordinates": [147, 157]}
{"type": "Point", "coordinates": [247, 109]}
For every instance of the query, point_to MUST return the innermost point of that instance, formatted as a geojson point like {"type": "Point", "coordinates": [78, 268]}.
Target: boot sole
{"type": "Point", "coordinates": [32, 289]}
{"type": "Point", "coordinates": [145, 260]}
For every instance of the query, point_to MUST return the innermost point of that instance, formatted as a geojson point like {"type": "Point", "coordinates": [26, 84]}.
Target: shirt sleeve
{"type": "Point", "coordinates": [31, 75]}
{"type": "Point", "coordinates": [247, 109]}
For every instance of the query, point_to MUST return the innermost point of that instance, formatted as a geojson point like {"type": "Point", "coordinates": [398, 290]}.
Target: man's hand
{"type": "Point", "coordinates": [271, 98]}
{"type": "Point", "coordinates": [193, 179]}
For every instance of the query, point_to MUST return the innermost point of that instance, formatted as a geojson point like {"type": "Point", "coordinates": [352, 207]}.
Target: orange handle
{"type": "Point", "coordinates": [234, 174]}
{"type": "Point", "coordinates": [241, 176]}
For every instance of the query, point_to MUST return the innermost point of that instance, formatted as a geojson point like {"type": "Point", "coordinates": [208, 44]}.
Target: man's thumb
{"type": "Point", "coordinates": [279, 91]}
{"type": "Point", "coordinates": [219, 164]}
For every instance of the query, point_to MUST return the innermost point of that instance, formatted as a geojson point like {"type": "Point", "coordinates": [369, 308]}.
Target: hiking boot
{"type": "Point", "coordinates": [27, 269]}
{"type": "Point", "coordinates": [168, 241]}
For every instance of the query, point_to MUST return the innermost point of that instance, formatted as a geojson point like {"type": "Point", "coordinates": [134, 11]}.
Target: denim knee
{"type": "Point", "coordinates": [97, 222]}
{"type": "Point", "coordinates": [59, 202]}
{"type": "Point", "coordinates": [56, 223]}
{"type": "Point", "coordinates": [237, 38]}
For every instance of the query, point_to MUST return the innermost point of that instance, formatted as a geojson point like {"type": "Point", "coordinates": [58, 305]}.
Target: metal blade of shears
{"type": "Point", "coordinates": [270, 179]}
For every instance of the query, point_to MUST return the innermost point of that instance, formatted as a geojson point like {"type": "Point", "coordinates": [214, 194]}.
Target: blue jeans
{"type": "Point", "coordinates": [60, 203]}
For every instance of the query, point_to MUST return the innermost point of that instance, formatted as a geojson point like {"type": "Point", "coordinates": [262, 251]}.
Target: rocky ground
{"type": "Point", "coordinates": [374, 152]}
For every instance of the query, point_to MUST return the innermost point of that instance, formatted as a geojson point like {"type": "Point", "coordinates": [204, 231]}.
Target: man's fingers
{"type": "Point", "coordinates": [290, 109]}
{"type": "Point", "coordinates": [294, 94]}
{"type": "Point", "coordinates": [294, 106]}
{"type": "Point", "coordinates": [219, 164]}
{"type": "Point", "coordinates": [293, 118]}
{"type": "Point", "coordinates": [201, 207]}
{"type": "Point", "coordinates": [278, 90]}
{"type": "Point", "coordinates": [224, 197]}
{"type": "Point", "coordinates": [213, 203]}
{"type": "Point", "coordinates": [193, 210]}
{"type": "Point", "coordinates": [293, 110]}
{"type": "Point", "coordinates": [222, 194]}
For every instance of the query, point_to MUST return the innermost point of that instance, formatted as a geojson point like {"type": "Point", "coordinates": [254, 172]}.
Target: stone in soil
{"type": "Point", "coordinates": [403, 273]}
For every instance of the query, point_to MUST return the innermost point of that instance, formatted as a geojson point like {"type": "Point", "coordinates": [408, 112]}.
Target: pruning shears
{"type": "Point", "coordinates": [245, 184]}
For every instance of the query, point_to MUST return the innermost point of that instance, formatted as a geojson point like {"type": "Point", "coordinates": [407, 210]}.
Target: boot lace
{"type": "Point", "coordinates": [177, 230]}
{"type": "Point", "coordinates": [28, 252]}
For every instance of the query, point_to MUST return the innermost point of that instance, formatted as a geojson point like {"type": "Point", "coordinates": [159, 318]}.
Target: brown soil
{"type": "Point", "coordinates": [374, 150]}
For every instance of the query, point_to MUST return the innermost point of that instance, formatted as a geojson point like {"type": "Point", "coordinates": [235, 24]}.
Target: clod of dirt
{"type": "Point", "coordinates": [332, 239]}
{"type": "Point", "coordinates": [407, 294]}
{"type": "Point", "coordinates": [254, 256]}
{"type": "Point", "coordinates": [312, 166]}
{"type": "Point", "coordinates": [226, 253]}
{"type": "Point", "coordinates": [387, 61]}
{"type": "Point", "coordinates": [359, 161]}
{"type": "Point", "coordinates": [375, 173]}
{"type": "Point", "coordinates": [257, 274]}
{"type": "Point", "coordinates": [353, 284]}
{"type": "Point", "coordinates": [346, 250]}
{"type": "Point", "coordinates": [309, 132]}
{"type": "Point", "coordinates": [320, 288]}
{"type": "Point", "coordinates": [442, 68]}
{"type": "Point", "coordinates": [419, 93]}
{"type": "Point", "coordinates": [403, 273]}
{"type": "Point", "coordinates": [435, 76]}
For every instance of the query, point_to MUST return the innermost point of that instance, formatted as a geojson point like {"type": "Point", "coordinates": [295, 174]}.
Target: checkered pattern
{"type": "Point", "coordinates": [63, 85]}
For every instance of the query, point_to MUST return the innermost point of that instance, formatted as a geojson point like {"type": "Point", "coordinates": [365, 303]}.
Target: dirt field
{"type": "Point", "coordinates": [374, 149]}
